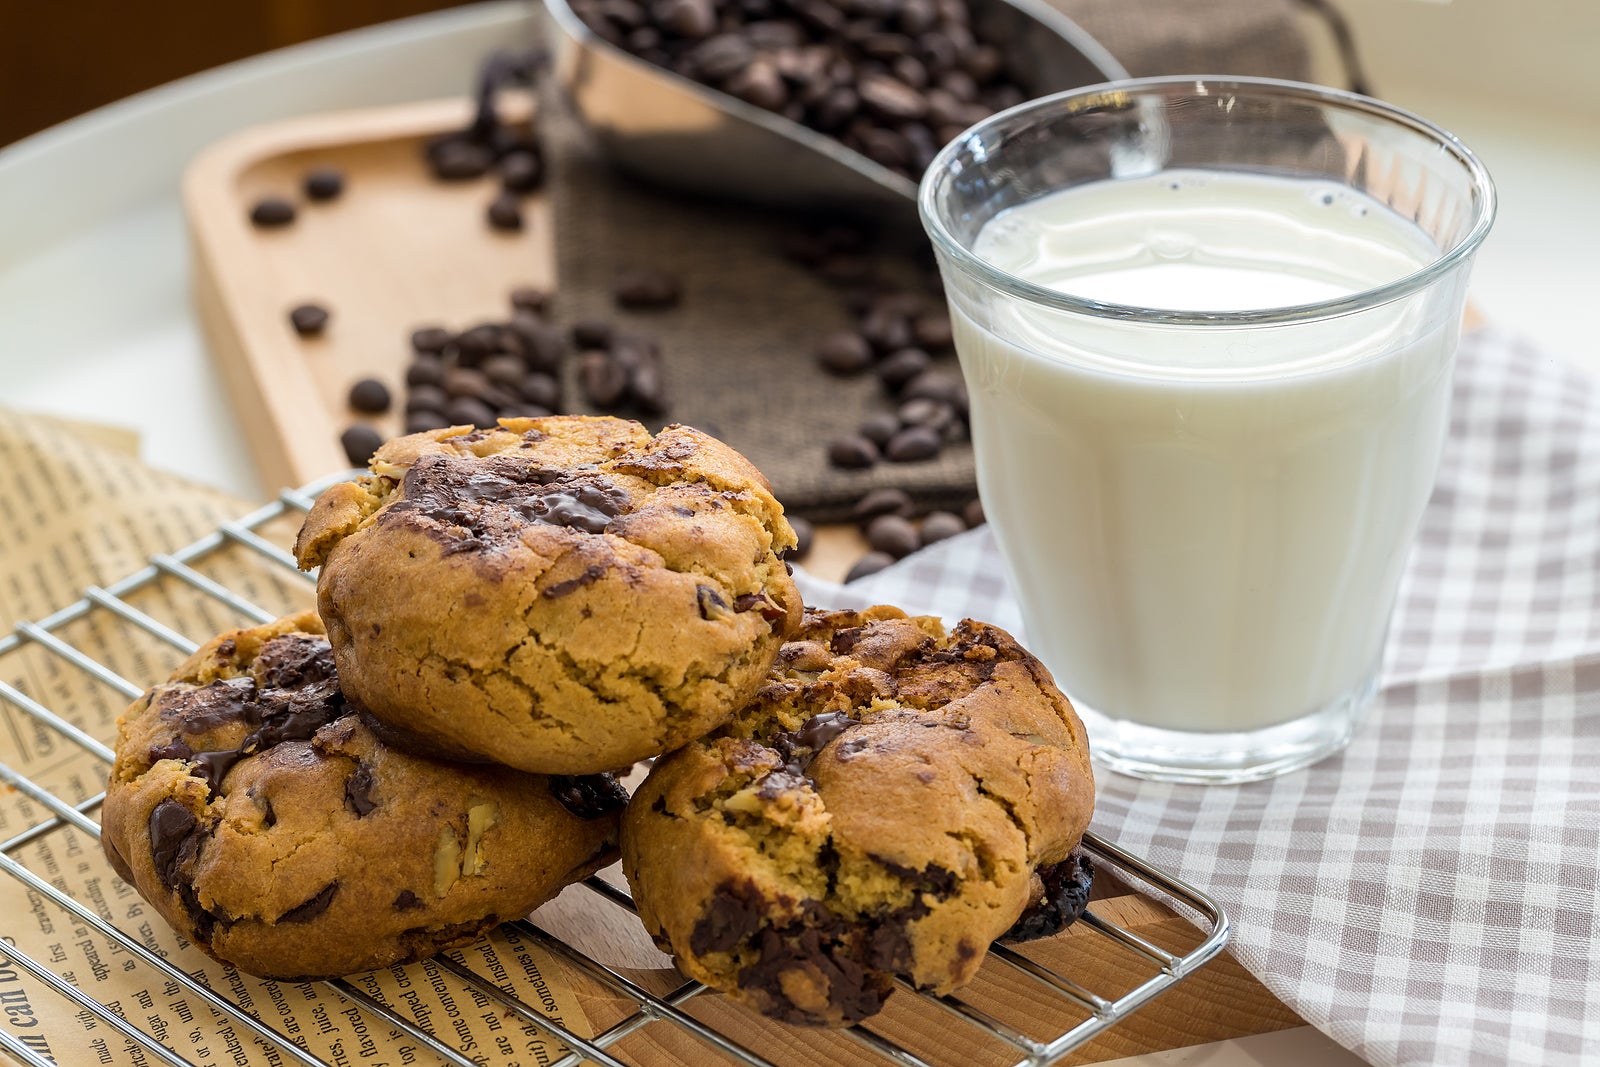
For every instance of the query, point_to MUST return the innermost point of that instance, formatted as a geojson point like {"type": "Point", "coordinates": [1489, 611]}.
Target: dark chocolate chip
{"type": "Point", "coordinates": [590, 574]}
{"type": "Point", "coordinates": [913, 444]}
{"type": "Point", "coordinates": [308, 320]}
{"type": "Point", "coordinates": [589, 796]}
{"type": "Point", "coordinates": [358, 790]}
{"type": "Point", "coordinates": [171, 825]}
{"type": "Point", "coordinates": [852, 452]}
{"type": "Point", "coordinates": [894, 535]}
{"type": "Point", "coordinates": [406, 900]}
{"type": "Point", "coordinates": [731, 915]}
{"type": "Point", "coordinates": [213, 767]}
{"type": "Point", "coordinates": [370, 396]}
{"type": "Point", "coordinates": [271, 212]}
{"type": "Point", "coordinates": [760, 603]}
{"type": "Point", "coordinates": [940, 525]}
{"type": "Point", "coordinates": [304, 913]}
{"type": "Point", "coordinates": [505, 213]}
{"type": "Point", "coordinates": [323, 183]}
{"type": "Point", "coordinates": [177, 748]}
{"type": "Point", "coordinates": [871, 563]}
{"type": "Point", "coordinates": [360, 442]}
{"type": "Point", "coordinates": [711, 604]}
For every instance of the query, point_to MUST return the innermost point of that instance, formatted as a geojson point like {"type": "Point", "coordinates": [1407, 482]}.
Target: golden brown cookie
{"type": "Point", "coordinates": [258, 813]}
{"type": "Point", "coordinates": [892, 801]}
{"type": "Point", "coordinates": [565, 595]}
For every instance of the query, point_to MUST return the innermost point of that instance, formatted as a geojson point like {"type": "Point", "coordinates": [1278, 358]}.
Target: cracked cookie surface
{"type": "Point", "coordinates": [893, 800]}
{"type": "Point", "coordinates": [255, 809]}
{"type": "Point", "coordinates": [564, 595]}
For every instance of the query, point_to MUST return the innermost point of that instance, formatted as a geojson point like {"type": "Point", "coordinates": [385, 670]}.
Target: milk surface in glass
{"type": "Point", "coordinates": [1211, 524]}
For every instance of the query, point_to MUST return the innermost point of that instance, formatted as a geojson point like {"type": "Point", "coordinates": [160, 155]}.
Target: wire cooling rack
{"type": "Point", "coordinates": [1148, 969]}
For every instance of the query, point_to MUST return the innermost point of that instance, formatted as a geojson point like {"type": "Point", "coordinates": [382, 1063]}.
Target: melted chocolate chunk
{"type": "Point", "coordinates": [171, 827]}
{"type": "Point", "coordinates": [711, 604]}
{"type": "Point", "coordinates": [177, 748]}
{"type": "Point", "coordinates": [853, 991]}
{"type": "Point", "coordinates": [801, 747]}
{"type": "Point", "coordinates": [294, 659]}
{"type": "Point", "coordinates": [591, 574]}
{"type": "Point", "coordinates": [304, 913]}
{"type": "Point", "coordinates": [216, 704]}
{"type": "Point", "coordinates": [214, 766]}
{"type": "Point", "coordinates": [495, 497]}
{"type": "Point", "coordinates": [589, 796]}
{"type": "Point", "coordinates": [931, 879]}
{"type": "Point", "coordinates": [407, 901]}
{"type": "Point", "coordinates": [759, 602]}
{"type": "Point", "coordinates": [294, 715]}
{"type": "Point", "coordinates": [358, 790]}
{"type": "Point", "coordinates": [1066, 894]}
{"type": "Point", "coordinates": [733, 914]}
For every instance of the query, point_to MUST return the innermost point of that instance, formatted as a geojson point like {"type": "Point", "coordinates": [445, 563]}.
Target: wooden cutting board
{"type": "Point", "coordinates": [399, 250]}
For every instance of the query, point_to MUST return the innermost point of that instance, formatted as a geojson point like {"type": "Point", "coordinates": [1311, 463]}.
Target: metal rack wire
{"type": "Point", "coordinates": [1151, 968]}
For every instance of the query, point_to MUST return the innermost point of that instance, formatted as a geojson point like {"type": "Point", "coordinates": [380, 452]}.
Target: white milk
{"type": "Point", "coordinates": [1208, 525]}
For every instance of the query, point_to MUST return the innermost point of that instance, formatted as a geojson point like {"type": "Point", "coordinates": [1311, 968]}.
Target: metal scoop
{"type": "Point", "coordinates": [678, 132]}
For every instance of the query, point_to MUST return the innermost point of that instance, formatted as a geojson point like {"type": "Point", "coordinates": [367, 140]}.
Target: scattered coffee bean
{"type": "Point", "coordinates": [308, 320]}
{"type": "Point", "coordinates": [902, 365]}
{"type": "Point", "coordinates": [528, 298]}
{"type": "Point", "coordinates": [504, 369]}
{"type": "Point", "coordinates": [804, 534]}
{"type": "Point", "coordinates": [425, 370]}
{"type": "Point", "coordinates": [455, 158]}
{"type": "Point", "coordinates": [886, 501]}
{"type": "Point", "coordinates": [932, 330]}
{"type": "Point", "coordinates": [871, 563]}
{"type": "Point", "coordinates": [844, 352]}
{"type": "Point", "coordinates": [886, 330]}
{"type": "Point", "coordinates": [937, 385]}
{"type": "Point", "coordinates": [541, 389]}
{"type": "Point", "coordinates": [477, 344]}
{"type": "Point", "coordinates": [465, 381]}
{"type": "Point", "coordinates": [604, 380]}
{"type": "Point", "coordinates": [360, 441]}
{"type": "Point", "coordinates": [852, 452]}
{"type": "Point", "coordinates": [543, 344]}
{"type": "Point", "coordinates": [894, 535]}
{"type": "Point", "coordinates": [590, 333]}
{"type": "Point", "coordinates": [426, 398]}
{"type": "Point", "coordinates": [323, 183]}
{"type": "Point", "coordinates": [271, 212]}
{"type": "Point", "coordinates": [924, 411]}
{"type": "Point", "coordinates": [522, 172]}
{"type": "Point", "coordinates": [430, 339]}
{"type": "Point", "coordinates": [469, 410]}
{"type": "Point", "coordinates": [939, 525]}
{"type": "Point", "coordinates": [643, 287]}
{"type": "Point", "coordinates": [973, 515]}
{"type": "Point", "coordinates": [912, 444]}
{"type": "Point", "coordinates": [505, 213]}
{"type": "Point", "coordinates": [370, 396]}
{"type": "Point", "coordinates": [879, 427]}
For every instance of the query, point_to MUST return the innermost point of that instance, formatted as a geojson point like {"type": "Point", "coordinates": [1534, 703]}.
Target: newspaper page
{"type": "Point", "coordinates": [75, 513]}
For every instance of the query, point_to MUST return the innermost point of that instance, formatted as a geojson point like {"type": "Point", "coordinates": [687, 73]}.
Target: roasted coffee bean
{"type": "Point", "coordinates": [465, 381]}
{"type": "Point", "coordinates": [504, 369]}
{"type": "Point", "coordinates": [902, 365]}
{"type": "Point", "coordinates": [456, 159]}
{"type": "Point", "coordinates": [646, 388]}
{"type": "Point", "coordinates": [916, 16]}
{"type": "Point", "coordinates": [360, 442]}
{"type": "Point", "coordinates": [271, 211]}
{"type": "Point", "coordinates": [370, 395]}
{"type": "Point", "coordinates": [912, 444]}
{"type": "Point", "coordinates": [323, 183]}
{"type": "Point", "coordinates": [939, 525]}
{"type": "Point", "coordinates": [469, 410]}
{"type": "Point", "coordinates": [541, 389]}
{"type": "Point", "coordinates": [760, 84]}
{"type": "Point", "coordinates": [425, 419]}
{"type": "Point", "coordinates": [721, 57]}
{"type": "Point", "coordinates": [845, 352]}
{"type": "Point", "coordinates": [804, 534]}
{"type": "Point", "coordinates": [936, 385]}
{"type": "Point", "coordinates": [879, 427]}
{"type": "Point", "coordinates": [689, 19]}
{"type": "Point", "coordinates": [982, 62]}
{"type": "Point", "coordinates": [973, 515]}
{"type": "Point", "coordinates": [477, 344]}
{"type": "Point", "coordinates": [308, 320]}
{"type": "Point", "coordinates": [591, 333]}
{"type": "Point", "coordinates": [886, 501]}
{"type": "Point", "coordinates": [925, 411]}
{"type": "Point", "coordinates": [604, 380]}
{"type": "Point", "coordinates": [887, 147]}
{"type": "Point", "coordinates": [426, 398]}
{"type": "Point", "coordinates": [886, 330]}
{"type": "Point", "coordinates": [893, 534]}
{"type": "Point", "coordinates": [531, 299]}
{"type": "Point", "coordinates": [891, 99]}
{"type": "Point", "coordinates": [645, 287]}
{"type": "Point", "coordinates": [932, 330]}
{"type": "Point", "coordinates": [430, 339]}
{"type": "Point", "coordinates": [852, 452]}
{"type": "Point", "coordinates": [871, 563]}
{"type": "Point", "coordinates": [522, 172]}
{"type": "Point", "coordinates": [425, 370]}
{"type": "Point", "coordinates": [505, 213]}
{"type": "Point", "coordinates": [543, 344]}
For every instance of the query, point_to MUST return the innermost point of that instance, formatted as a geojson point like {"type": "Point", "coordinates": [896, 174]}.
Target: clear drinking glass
{"type": "Point", "coordinates": [1206, 512]}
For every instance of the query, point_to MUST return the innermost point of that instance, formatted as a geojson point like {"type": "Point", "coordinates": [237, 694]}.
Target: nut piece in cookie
{"type": "Point", "coordinates": [253, 807]}
{"type": "Point", "coordinates": [563, 595]}
{"type": "Point", "coordinates": [894, 799]}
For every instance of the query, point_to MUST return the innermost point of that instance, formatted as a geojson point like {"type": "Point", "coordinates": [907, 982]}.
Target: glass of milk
{"type": "Point", "coordinates": [1208, 329]}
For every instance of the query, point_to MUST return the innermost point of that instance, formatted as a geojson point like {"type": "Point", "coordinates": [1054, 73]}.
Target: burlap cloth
{"type": "Point", "coordinates": [739, 352]}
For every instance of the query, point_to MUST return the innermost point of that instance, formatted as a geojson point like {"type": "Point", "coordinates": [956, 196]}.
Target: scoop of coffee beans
{"type": "Point", "coordinates": [891, 79]}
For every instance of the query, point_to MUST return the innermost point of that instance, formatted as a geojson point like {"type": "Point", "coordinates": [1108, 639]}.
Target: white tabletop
{"type": "Point", "coordinates": [96, 323]}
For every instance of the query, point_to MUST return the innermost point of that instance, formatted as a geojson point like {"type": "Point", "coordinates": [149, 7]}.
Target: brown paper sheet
{"type": "Point", "coordinates": [74, 513]}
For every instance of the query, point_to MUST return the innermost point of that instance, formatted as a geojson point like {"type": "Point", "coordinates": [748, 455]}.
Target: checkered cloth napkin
{"type": "Point", "coordinates": [1429, 895]}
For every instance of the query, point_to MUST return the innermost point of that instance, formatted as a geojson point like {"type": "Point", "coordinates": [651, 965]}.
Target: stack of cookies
{"type": "Point", "coordinates": [506, 618]}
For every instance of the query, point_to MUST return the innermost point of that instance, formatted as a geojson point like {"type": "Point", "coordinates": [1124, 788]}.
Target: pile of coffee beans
{"type": "Point", "coordinates": [885, 517]}
{"type": "Point", "coordinates": [891, 79]}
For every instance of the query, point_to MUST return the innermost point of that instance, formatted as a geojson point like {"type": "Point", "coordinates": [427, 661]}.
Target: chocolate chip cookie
{"type": "Point", "coordinates": [253, 807]}
{"type": "Point", "coordinates": [894, 799]}
{"type": "Point", "coordinates": [564, 595]}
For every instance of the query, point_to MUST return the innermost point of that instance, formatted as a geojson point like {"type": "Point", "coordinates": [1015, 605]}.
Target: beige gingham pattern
{"type": "Point", "coordinates": [1429, 895]}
